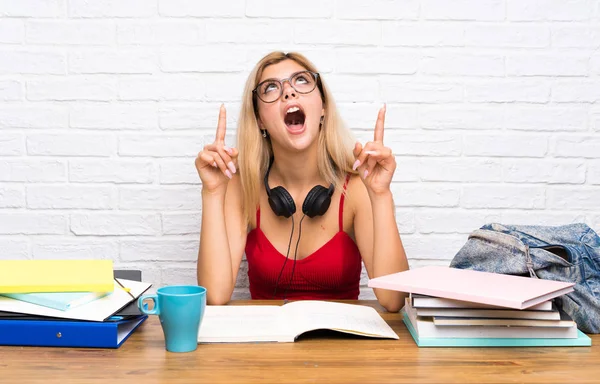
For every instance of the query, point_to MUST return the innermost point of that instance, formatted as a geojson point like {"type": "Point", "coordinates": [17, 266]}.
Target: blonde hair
{"type": "Point", "coordinates": [335, 143]}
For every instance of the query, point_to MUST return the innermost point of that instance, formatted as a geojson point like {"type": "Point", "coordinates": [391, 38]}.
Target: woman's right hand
{"type": "Point", "coordinates": [217, 163]}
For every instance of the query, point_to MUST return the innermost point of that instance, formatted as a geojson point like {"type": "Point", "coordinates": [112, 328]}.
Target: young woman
{"type": "Point", "coordinates": [297, 196]}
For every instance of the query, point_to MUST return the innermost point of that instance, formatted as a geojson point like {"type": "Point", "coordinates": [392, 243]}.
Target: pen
{"type": "Point", "coordinates": [125, 288]}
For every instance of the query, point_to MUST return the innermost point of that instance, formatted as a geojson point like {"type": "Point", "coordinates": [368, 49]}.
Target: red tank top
{"type": "Point", "coordinates": [332, 272]}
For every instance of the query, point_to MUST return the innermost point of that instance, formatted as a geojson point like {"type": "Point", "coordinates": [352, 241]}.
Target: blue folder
{"type": "Point", "coordinates": [582, 340]}
{"type": "Point", "coordinates": [68, 333]}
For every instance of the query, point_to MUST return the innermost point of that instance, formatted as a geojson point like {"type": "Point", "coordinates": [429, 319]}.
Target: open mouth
{"type": "Point", "coordinates": [294, 119]}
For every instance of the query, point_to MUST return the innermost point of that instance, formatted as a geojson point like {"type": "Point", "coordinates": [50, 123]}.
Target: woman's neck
{"type": "Point", "coordinates": [296, 170]}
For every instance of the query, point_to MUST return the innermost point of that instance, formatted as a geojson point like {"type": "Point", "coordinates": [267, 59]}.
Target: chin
{"type": "Point", "coordinates": [304, 141]}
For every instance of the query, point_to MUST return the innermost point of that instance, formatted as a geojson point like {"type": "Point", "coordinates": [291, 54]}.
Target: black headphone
{"type": "Point", "coordinates": [316, 202]}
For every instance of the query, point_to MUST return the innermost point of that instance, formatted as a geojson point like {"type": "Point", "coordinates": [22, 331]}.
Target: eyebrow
{"type": "Point", "coordinates": [274, 78]}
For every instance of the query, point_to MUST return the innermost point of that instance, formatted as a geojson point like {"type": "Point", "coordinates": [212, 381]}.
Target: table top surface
{"type": "Point", "coordinates": [322, 357]}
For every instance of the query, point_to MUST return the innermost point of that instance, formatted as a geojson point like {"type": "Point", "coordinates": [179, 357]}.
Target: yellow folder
{"type": "Point", "coordinates": [26, 276]}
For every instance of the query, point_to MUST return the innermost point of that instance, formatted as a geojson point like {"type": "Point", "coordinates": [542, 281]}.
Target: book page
{"type": "Point", "coordinates": [244, 323]}
{"type": "Point", "coordinates": [349, 318]}
{"type": "Point", "coordinates": [423, 301]}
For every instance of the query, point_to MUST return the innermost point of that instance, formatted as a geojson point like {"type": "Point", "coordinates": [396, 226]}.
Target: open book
{"type": "Point", "coordinates": [272, 323]}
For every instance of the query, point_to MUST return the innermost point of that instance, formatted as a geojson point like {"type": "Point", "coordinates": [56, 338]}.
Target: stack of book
{"type": "Point", "coordinates": [67, 303]}
{"type": "Point", "coordinates": [450, 307]}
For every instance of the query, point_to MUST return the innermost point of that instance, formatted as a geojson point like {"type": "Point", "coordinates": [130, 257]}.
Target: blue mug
{"type": "Point", "coordinates": [180, 309]}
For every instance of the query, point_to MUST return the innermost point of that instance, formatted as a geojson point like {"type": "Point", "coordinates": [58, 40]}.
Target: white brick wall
{"type": "Point", "coordinates": [493, 115]}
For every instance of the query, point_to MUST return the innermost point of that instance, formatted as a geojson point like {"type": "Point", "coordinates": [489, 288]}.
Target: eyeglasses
{"type": "Point", "coordinates": [270, 90]}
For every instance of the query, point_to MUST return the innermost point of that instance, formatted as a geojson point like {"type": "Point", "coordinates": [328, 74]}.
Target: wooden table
{"type": "Point", "coordinates": [323, 358]}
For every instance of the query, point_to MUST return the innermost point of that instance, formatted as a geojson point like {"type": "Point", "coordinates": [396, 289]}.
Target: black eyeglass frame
{"type": "Point", "coordinates": [316, 76]}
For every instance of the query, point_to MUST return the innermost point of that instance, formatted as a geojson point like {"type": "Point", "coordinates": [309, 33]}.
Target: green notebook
{"type": "Point", "coordinates": [582, 340]}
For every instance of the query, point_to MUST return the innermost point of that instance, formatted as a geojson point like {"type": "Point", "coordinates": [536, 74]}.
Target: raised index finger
{"type": "Point", "coordinates": [379, 125]}
{"type": "Point", "coordinates": [220, 137]}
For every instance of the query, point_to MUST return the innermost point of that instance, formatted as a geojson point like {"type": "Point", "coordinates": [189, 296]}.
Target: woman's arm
{"type": "Point", "coordinates": [378, 240]}
{"type": "Point", "coordinates": [223, 232]}
{"type": "Point", "coordinates": [222, 242]}
{"type": "Point", "coordinates": [375, 225]}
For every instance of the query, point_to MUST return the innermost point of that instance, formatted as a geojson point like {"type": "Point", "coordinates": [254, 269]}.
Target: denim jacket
{"type": "Point", "coordinates": [568, 253]}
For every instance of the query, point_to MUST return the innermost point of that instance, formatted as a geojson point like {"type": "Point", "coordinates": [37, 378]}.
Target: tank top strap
{"type": "Point", "coordinates": [341, 210]}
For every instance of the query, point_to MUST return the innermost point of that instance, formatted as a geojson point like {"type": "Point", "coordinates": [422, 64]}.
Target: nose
{"type": "Point", "coordinates": [288, 91]}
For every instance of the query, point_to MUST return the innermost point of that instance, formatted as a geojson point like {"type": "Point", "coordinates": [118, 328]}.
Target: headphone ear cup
{"type": "Point", "coordinates": [281, 202]}
{"type": "Point", "coordinates": [317, 201]}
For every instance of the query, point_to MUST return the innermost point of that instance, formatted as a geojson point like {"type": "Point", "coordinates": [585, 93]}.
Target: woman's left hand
{"type": "Point", "coordinates": [375, 162]}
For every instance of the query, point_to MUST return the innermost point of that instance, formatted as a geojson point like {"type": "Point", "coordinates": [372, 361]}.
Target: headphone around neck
{"type": "Point", "coordinates": [316, 202]}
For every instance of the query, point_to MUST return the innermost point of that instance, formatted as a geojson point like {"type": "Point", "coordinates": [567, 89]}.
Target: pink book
{"type": "Point", "coordinates": [479, 287]}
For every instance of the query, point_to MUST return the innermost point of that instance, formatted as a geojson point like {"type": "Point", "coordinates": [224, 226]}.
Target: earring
{"type": "Point", "coordinates": [264, 133]}
{"type": "Point", "coordinates": [321, 123]}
